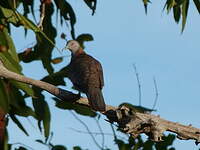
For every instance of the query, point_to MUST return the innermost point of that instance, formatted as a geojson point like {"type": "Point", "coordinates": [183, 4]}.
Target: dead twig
{"type": "Point", "coordinates": [83, 123]}
{"type": "Point", "coordinates": [42, 16]}
{"type": "Point", "coordinates": [156, 96]}
{"type": "Point", "coordinates": [139, 85]}
{"type": "Point", "coordinates": [101, 131]}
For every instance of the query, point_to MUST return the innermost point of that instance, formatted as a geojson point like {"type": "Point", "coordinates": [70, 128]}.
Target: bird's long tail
{"type": "Point", "coordinates": [96, 99]}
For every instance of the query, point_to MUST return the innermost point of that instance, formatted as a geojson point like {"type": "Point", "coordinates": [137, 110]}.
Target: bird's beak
{"type": "Point", "coordinates": [65, 48]}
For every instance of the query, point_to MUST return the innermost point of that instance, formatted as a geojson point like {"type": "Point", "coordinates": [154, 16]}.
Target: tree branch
{"type": "Point", "coordinates": [129, 121]}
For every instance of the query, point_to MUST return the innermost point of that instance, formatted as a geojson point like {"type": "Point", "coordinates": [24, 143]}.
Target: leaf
{"type": "Point", "coordinates": [67, 12]}
{"type": "Point", "coordinates": [42, 114]}
{"type": "Point", "coordinates": [167, 141]}
{"type": "Point", "coordinates": [11, 61]}
{"type": "Point", "coordinates": [91, 4]}
{"type": "Point", "coordinates": [57, 60]}
{"type": "Point", "coordinates": [77, 148]}
{"type": "Point", "coordinates": [6, 145]}
{"type": "Point", "coordinates": [23, 111]}
{"type": "Point", "coordinates": [169, 5]}
{"type": "Point", "coordinates": [17, 19]}
{"type": "Point", "coordinates": [177, 13]}
{"type": "Point", "coordinates": [83, 110]}
{"type": "Point", "coordinates": [59, 147]}
{"type": "Point", "coordinates": [21, 148]}
{"type": "Point", "coordinates": [4, 100]}
{"type": "Point", "coordinates": [18, 123]}
{"type": "Point", "coordinates": [184, 10]}
{"type": "Point", "coordinates": [84, 37]}
{"type": "Point", "coordinates": [145, 2]}
{"type": "Point", "coordinates": [197, 4]}
{"type": "Point", "coordinates": [136, 108]}
{"type": "Point", "coordinates": [40, 141]}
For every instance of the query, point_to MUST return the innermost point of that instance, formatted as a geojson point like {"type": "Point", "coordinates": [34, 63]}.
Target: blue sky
{"type": "Point", "coordinates": [124, 35]}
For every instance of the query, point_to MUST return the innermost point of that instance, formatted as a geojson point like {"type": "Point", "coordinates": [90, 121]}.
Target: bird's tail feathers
{"type": "Point", "coordinates": [96, 100]}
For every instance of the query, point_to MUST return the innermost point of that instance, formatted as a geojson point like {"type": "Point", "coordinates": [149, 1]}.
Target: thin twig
{"type": "Point", "coordinates": [23, 145]}
{"type": "Point", "coordinates": [139, 85]}
{"type": "Point", "coordinates": [113, 130]}
{"type": "Point", "coordinates": [101, 131]}
{"type": "Point", "coordinates": [156, 96]}
{"type": "Point", "coordinates": [14, 4]}
{"type": "Point", "coordinates": [83, 123]}
{"type": "Point", "coordinates": [42, 15]}
{"type": "Point", "coordinates": [97, 133]}
{"type": "Point", "coordinates": [29, 121]}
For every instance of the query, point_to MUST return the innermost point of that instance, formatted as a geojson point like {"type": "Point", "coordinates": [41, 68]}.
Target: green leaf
{"type": "Point", "coordinates": [91, 4]}
{"type": "Point", "coordinates": [83, 110]}
{"type": "Point", "coordinates": [14, 66]}
{"type": "Point", "coordinates": [177, 13]}
{"type": "Point", "coordinates": [43, 114]}
{"type": "Point", "coordinates": [197, 4]}
{"type": "Point", "coordinates": [14, 17]}
{"type": "Point", "coordinates": [136, 108]}
{"type": "Point", "coordinates": [23, 111]}
{"type": "Point", "coordinates": [6, 145]}
{"type": "Point", "coordinates": [145, 2]}
{"type": "Point", "coordinates": [169, 5]}
{"type": "Point", "coordinates": [11, 61]}
{"type": "Point", "coordinates": [67, 12]}
{"type": "Point", "coordinates": [4, 100]}
{"type": "Point", "coordinates": [7, 41]}
{"type": "Point", "coordinates": [77, 148]}
{"type": "Point", "coordinates": [59, 147]}
{"type": "Point", "coordinates": [84, 37]}
{"type": "Point", "coordinates": [18, 123]}
{"type": "Point", "coordinates": [21, 148]}
{"type": "Point", "coordinates": [184, 10]}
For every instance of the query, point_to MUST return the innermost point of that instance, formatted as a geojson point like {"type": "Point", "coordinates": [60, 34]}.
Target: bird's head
{"type": "Point", "coordinates": [73, 46]}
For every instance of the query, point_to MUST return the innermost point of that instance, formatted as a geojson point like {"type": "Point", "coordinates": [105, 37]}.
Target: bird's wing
{"type": "Point", "coordinates": [96, 73]}
{"type": "Point", "coordinates": [100, 72]}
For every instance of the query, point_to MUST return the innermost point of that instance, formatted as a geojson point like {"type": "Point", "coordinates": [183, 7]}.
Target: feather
{"type": "Point", "coordinates": [86, 74]}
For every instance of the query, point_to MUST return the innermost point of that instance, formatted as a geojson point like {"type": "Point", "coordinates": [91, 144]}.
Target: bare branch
{"type": "Point", "coordinates": [135, 123]}
{"type": "Point", "coordinates": [128, 120]}
{"type": "Point", "coordinates": [139, 85]}
{"type": "Point", "coordinates": [101, 131]}
{"type": "Point", "coordinates": [97, 133]}
{"type": "Point", "coordinates": [156, 90]}
{"type": "Point", "coordinates": [21, 144]}
{"type": "Point", "coordinates": [42, 15]}
{"type": "Point", "coordinates": [93, 138]}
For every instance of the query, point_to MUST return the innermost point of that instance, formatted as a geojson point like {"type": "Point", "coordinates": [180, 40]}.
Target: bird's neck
{"type": "Point", "coordinates": [78, 52]}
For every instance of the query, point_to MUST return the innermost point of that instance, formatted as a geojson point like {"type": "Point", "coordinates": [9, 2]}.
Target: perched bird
{"type": "Point", "coordinates": [86, 74]}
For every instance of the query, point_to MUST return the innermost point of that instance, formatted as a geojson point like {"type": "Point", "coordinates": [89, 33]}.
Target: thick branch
{"type": "Point", "coordinates": [128, 120]}
{"type": "Point", "coordinates": [135, 123]}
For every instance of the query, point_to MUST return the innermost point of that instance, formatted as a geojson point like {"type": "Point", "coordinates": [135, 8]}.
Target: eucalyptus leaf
{"type": "Point", "coordinates": [184, 10]}
{"type": "Point", "coordinates": [4, 99]}
{"type": "Point", "coordinates": [18, 123]}
{"type": "Point", "coordinates": [197, 4]}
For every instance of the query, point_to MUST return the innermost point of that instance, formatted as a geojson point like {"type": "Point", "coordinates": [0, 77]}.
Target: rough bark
{"type": "Point", "coordinates": [128, 120]}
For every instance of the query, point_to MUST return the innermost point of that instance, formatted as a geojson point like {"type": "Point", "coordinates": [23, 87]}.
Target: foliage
{"type": "Point", "coordinates": [13, 94]}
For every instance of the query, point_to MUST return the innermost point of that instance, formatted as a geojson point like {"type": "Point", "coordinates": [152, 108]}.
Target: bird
{"type": "Point", "coordinates": [86, 74]}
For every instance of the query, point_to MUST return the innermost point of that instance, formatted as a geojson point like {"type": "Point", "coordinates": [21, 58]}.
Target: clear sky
{"type": "Point", "coordinates": [124, 35]}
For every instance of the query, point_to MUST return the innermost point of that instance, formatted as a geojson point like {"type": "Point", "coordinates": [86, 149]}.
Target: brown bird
{"type": "Point", "coordinates": [86, 74]}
